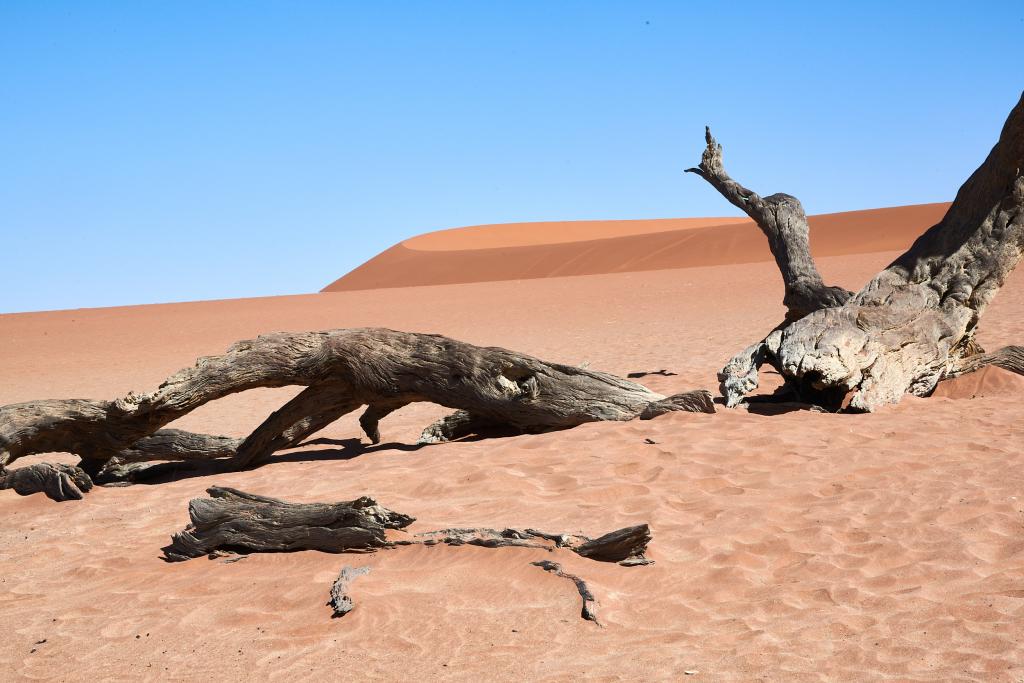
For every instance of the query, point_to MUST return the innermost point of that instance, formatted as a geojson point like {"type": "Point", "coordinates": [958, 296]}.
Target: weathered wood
{"type": "Point", "coordinates": [589, 611]}
{"type": "Point", "coordinates": [233, 520]}
{"type": "Point", "coordinates": [915, 322]}
{"type": "Point", "coordinates": [57, 481]}
{"type": "Point", "coordinates": [340, 601]}
{"type": "Point", "coordinates": [341, 370]}
{"type": "Point", "coordinates": [782, 219]}
{"type": "Point", "coordinates": [1008, 358]}
{"type": "Point", "coordinates": [698, 401]}
{"type": "Point", "coordinates": [455, 426]}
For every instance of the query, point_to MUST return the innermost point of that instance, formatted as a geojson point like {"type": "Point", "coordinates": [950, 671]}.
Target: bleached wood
{"type": "Point", "coordinates": [914, 323]}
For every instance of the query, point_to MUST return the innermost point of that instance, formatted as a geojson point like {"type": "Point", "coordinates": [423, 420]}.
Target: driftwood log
{"type": "Point", "coordinates": [232, 521]}
{"type": "Point", "coordinates": [342, 370]}
{"type": "Point", "coordinates": [914, 324]}
{"type": "Point", "coordinates": [235, 521]}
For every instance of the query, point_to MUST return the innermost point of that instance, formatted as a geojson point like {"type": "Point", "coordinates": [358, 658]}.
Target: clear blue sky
{"type": "Point", "coordinates": [169, 151]}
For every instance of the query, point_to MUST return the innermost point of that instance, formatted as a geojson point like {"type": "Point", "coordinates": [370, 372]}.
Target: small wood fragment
{"type": "Point", "coordinates": [236, 521]}
{"type": "Point", "coordinates": [340, 600]}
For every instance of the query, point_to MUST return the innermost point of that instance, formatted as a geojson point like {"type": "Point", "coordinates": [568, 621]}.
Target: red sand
{"type": "Point", "coordinates": [536, 250]}
{"type": "Point", "coordinates": [798, 547]}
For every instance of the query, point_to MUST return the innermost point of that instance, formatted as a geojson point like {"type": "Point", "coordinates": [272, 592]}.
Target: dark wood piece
{"type": "Point", "coordinates": [234, 521]}
{"type": "Point", "coordinates": [589, 611]}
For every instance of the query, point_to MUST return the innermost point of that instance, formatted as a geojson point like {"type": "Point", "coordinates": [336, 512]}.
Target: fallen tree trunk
{"type": "Point", "coordinates": [341, 370]}
{"type": "Point", "coordinates": [232, 521]}
{"type": "Point", "coordinates": [914, 323]}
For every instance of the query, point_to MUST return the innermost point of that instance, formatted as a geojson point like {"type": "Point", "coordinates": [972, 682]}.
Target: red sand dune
{"type": "Point", "coordinates": [519, 251]}
{"type": "Point", "coordinates": [796, 547]}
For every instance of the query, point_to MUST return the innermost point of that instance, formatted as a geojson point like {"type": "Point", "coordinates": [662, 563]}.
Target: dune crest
{"type": "Point", "coordinates": [524, 251]}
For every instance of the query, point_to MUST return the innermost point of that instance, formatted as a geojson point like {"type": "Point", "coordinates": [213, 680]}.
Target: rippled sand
{"type": "Point", "coordinates": [788, 548]}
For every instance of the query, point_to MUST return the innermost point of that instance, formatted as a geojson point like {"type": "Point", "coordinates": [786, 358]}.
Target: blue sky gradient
{"type": "Point", "coordinates": [159, 152]}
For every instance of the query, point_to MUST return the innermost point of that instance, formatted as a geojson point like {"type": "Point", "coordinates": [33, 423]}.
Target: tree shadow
{"type": "Point", "coordinates": [166, 472]}
{"type": "Point", "coordinates": [344, 449]}
{"type": "Point", "coordinates": [784, 399]}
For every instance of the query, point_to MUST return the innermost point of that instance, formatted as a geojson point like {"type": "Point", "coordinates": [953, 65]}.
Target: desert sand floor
{"type": "Point", "coordinates": [794, 547]}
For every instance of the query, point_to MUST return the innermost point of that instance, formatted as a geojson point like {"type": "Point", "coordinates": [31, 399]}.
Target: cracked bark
{"type": "Point", "coordinates": [341, 370]}
{"type": "Point", "coordinates": [589, 611]}
{"type": "Point", "coordinates": [914, 323]}
{"type": "Point", "coordinates": [235, 521]}
{"type": "Point", "coordinates": [340, 600]}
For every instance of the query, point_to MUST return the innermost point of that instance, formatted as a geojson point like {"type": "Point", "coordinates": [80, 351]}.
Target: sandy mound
{"type": "Point", "coordinates": [539, 250]}
{"type": "Point", "coordinates": [798, 547]}
{"type": "Point", "coordinates": [990, 381]}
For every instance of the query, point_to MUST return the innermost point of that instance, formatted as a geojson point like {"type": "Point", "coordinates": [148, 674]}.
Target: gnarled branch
{"type": "Point", "coordinates": [341, 370]}
{"type": "Point", "coordinates": [782, 219]}
{"type": "Point", "coordinates": [914, 323]}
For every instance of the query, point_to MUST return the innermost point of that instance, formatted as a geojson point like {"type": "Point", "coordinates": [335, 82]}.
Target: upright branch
{"type": "Point", "coordinates": [782, 219]}
{"type": "Point", "coordinates": [341, 602]}
{"type": "Point", "coordinates": [914, 323]}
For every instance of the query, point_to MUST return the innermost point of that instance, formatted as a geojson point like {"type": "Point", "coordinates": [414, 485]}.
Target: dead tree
{"type": "Point", "coordinates": [232, 521]}
{"type": "Point", "coordinates": [342, 370]}
{"type": "Point", "coordinates": [914, 323]}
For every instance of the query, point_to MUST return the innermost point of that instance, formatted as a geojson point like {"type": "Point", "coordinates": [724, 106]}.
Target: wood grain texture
{"type": "Point", "coordinates": [233, 520]}
{"type": "Point", "coordinates": [341, 370]}
{"type": "Point", "coordinates": [914, 323]}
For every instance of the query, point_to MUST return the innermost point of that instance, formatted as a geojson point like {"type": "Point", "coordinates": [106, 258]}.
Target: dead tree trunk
{"type": "Point", "coordinates": [914, 323]}
{"type": "Point", "coordinates": [341, 370]}
{"type": "Point", "coordinates": [232, 521]}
